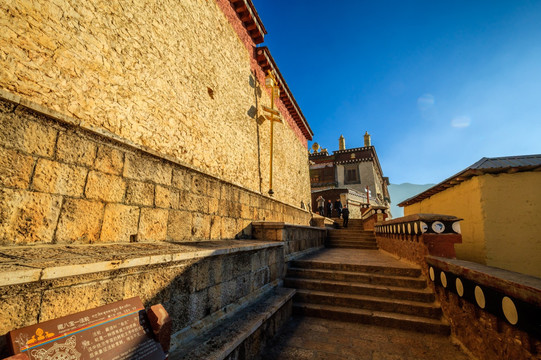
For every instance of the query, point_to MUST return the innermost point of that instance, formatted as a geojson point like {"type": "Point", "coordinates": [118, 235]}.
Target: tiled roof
{"type": "Point", "coordinates": [250, 18]}
{"type": "Point", "coordinates": [498, 165]}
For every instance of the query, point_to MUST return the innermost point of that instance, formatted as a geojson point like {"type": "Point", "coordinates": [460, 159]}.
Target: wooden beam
{"type": "Point", "coordinates": [241, 8]}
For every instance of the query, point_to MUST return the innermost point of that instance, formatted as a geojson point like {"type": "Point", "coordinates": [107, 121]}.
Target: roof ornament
{"type": "Point", "coordinates": [341, 143]}
{"type": "Point", "coordinates": [367, 141]}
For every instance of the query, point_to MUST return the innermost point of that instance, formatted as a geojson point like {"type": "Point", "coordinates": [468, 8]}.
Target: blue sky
{"type": "Point", "coordinates": [438, 84]}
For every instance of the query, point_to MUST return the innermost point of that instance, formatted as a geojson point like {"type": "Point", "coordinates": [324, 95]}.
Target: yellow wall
{"type": "Point", "coordinates": [463, 201]}
{"type": "Point", "coordinates": [172, 76]}
{"type": "Point", "coordinates": [512, 204]}
{"type": "Point", "coordinates": [501, 213]}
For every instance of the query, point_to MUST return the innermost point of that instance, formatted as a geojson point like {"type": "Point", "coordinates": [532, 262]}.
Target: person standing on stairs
{"type": "Point", "coordinates": [321, 205]}
{"type": "Point", "coordinates": [329, 208]}
{"type": "Point", "coordinates": [338, 207]}
{"type": "Point", "coordinates": [345, 216]}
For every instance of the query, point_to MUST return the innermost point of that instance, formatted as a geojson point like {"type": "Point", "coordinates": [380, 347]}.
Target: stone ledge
{"type": "Point", "coordinates": [25, 264]}
{"type": "Point", "coordinates": [281, 225]}
{"type": "Point", "coordinates": [228, 335]}
{"type": "Point", "coordinates": [524, 287]}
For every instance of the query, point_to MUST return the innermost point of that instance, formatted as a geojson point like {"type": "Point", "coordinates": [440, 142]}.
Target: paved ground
{"type": "Point", "coordinates": [357, 256]}
{"type": "Point", "coordinates": [312, 338]}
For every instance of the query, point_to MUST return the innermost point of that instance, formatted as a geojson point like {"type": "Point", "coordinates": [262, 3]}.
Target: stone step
{"type": "Point", "coordinates": [352, 242]}
{"type": "Point", "coordinates": [428, 310]}
{"type": "Point", "coordinates": [249, 328]}
{"type": "Point", "coordinates": [351, 230]}
{"type": "Point", "coordinates": [372, 269]}
{"type": "Point", "coordinates": [369, 278]}
{"type": "Point", "coordinates": [351, 236]}
{"type": "Point", "coordinates": [380, 318]}
{"type": "Point", "coordinates": [353, 246]}
{"type": "Point", "coordinates": [346, 287]}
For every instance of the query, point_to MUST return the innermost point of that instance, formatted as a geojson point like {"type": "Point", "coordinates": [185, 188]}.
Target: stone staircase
{"type": "Point", "coordinates": [376, 294]}
{"type": "Point", "coordinates": [352, 237]}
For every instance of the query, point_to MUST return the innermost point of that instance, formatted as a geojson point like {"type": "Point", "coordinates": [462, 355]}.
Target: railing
{"type": "Point", "coordinates": [373, 215]}
{"type": "Point", "coordinates": [415, 236]}
{"type": "Point", "coordinates": [495, 313]}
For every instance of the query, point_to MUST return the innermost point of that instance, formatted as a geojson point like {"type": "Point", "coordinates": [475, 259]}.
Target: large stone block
{"type": "Point", "coordinates": [215, 227]}
{"type": "Point", "coordinates": [164, 197]}
{"type": "Point", "coordinates": [179, 225]}
{"type": "Point", "coordinates": [63, 301]}
{"type": "Point", "coordinates": [229, 228]}
{"type": "Point", "coordinates": [15, 168]}
{"type": "Point", "coordinates": [196, 203]}
{"type": "Point", "coordinates": [75, 149]}
{"type": "Point", "coordinates": [58, 178]}
{"type": "Point", "coordinates": [119, 223]}
{"type": "Point", "coordinates": [153, 224]}
{"type": "Point", "coordinates": [105, 187]}
{"type": "Point", "coordinates": [199, 185]}
{"type": "Point", "coordinates": [28, 217]}
{"type": "Point", "coordinates": [213, 189]}
{"type": "Point", "coordinates": [146, 169]}
{"type": "Point", "coordinates": [198, 305]}
{"type": "Point", "coordinates": [109, 160]}
{"type": "Point", "coordinates": [19, 310]}
{"type": "Point", "coordinates": [182, 179]}
{"type": "Point", "coordinates": [140, 193]}
{"type": "Point", "coordinates": [17, 132]}
{"type": "Point", "coordinates": [200, 226]}
{"type": "Point", "coordinates": [80, 221]}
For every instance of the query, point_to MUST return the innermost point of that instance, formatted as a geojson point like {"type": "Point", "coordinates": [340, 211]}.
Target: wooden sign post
{"type": "Point", "coordinates": [118, 331]}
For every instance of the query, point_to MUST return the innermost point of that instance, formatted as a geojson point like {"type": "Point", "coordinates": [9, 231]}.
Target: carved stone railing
{"type": "Point", "coordinates": [415, 236]}
{"type": "Point", "coordinates": [495, 313]}
{"type": "Point", "coordinates": [374, 215]}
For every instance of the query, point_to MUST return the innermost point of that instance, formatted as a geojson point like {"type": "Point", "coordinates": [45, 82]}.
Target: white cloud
{"type": "Point", "coordinates": [461, 122]}
{"type": "Point", "coordinates": [425, 102]}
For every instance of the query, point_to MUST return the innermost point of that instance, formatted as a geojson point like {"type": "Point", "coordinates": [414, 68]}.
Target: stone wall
{"type": "Point", "coordinates": [197, 284]}
{"type": "Point", "coordinates": [493, 312]}
{"type": "Point", "coordinates": [297, 240]}
{"type": "Point", "coordinates": [62, 184]}
{"type": "Point", "coordinates": [178, 78]}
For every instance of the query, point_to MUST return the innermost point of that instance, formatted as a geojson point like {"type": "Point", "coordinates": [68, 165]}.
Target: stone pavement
{"type": "Point", "coordinates": [364, 257]}
{"type": "Point", "coordinates": [313, 338]}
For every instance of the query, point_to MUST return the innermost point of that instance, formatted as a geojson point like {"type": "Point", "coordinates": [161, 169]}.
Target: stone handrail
{"type": "Point", "coordinates": [492, 311]}
{"type": "Point", "coordinates": [373, 215]}
{"type": "Point", "coordinates": [415, 236]}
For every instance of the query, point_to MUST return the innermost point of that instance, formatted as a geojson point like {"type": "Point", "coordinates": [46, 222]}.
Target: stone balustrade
{"type": "Point", "coordinates": [372, 216]}
{"type": "Point", "coordinates": [495, 313]}
{"type": "Point", "coordinates": [415, 236]}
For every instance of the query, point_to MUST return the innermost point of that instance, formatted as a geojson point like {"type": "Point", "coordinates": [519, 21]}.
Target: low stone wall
{"type": "Point", "coordinates": [372, 216]}
{"type": "Point", "coordinates": [298, 240]}
{"type": "Point", "coordinates": [495, 313]}
{"type": "Point", "coordinates": [413, 237]}
{"type": "Point", "coordinates": [477, 300]}
{"type": "Point", "coordinates": [62, 184]}
{"type": "Point", "coordinates": [197, 284]}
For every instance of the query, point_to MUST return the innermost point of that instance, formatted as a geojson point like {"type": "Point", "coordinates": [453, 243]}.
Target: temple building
{"type": "Point", "coordinates": [352, 175]}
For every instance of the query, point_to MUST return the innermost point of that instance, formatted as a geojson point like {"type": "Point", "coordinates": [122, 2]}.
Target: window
{"type": "Point", "coordinates": [351, 176]}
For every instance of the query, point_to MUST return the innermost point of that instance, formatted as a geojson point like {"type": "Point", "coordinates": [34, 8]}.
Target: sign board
{"type": "Point", "coordinates": [118, 331]}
